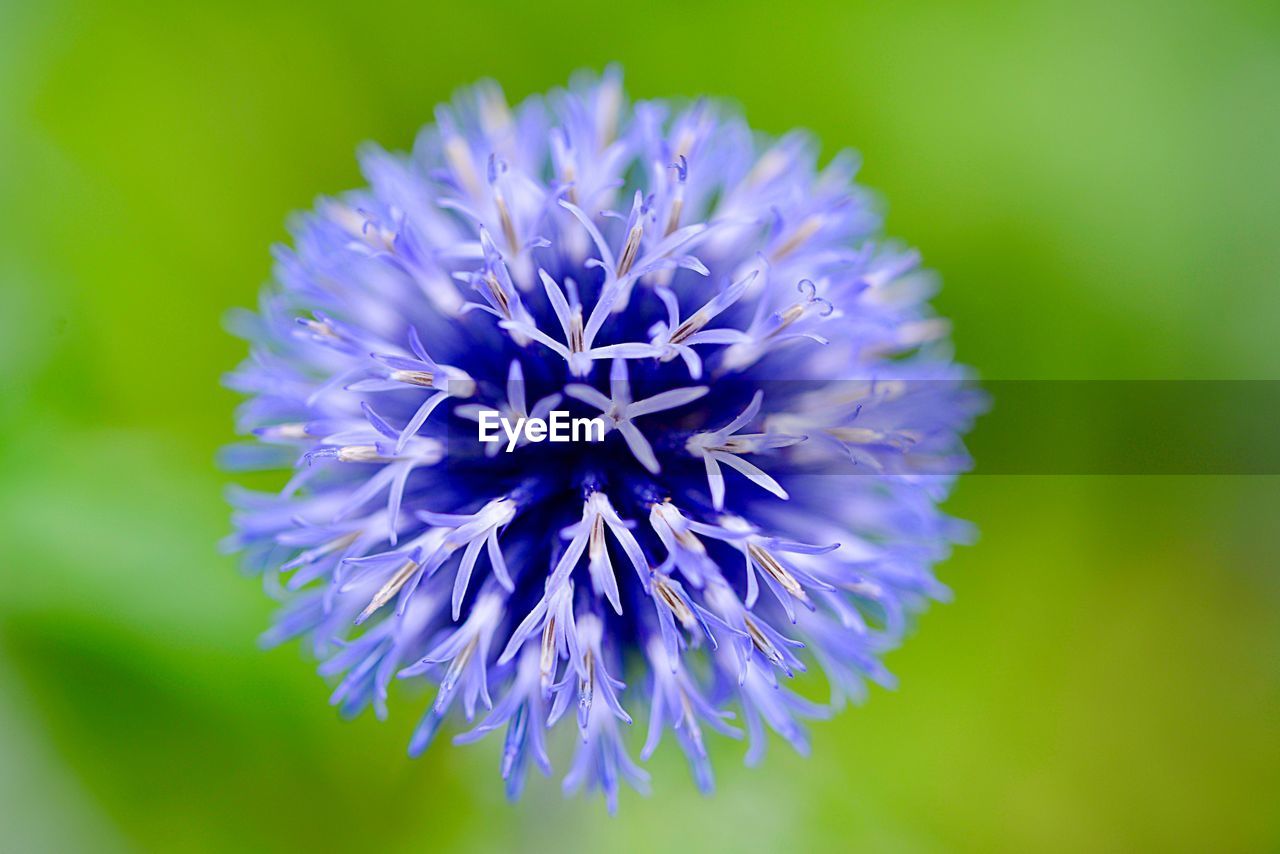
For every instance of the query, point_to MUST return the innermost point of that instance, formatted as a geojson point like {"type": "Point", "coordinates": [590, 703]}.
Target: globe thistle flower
{"type": "Point", "coordinates": [780, 419]}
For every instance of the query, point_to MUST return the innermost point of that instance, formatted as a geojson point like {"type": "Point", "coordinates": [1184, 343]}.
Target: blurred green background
{"type": "Point", "coordinates": [1099, 185]}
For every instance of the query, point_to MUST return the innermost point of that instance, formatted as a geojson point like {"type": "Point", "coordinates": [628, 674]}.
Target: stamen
{"type": "Point", "coordinates": [689, 719]}
{"type": "Point", "coordinates": [570, 177]}
{"type": "Point", "coordinates": [631, 250]}
{"type": "Point", "coordinates": [285, 431]}
{"type": "Point", "coordinates": [684, 143]}
{"type": "Point", "coordinates": [609, 105]}
{"type": "Point", "coordinates": [361, 454]}
{"type": "Point", "coordinates": [577, 334]}
{"type": "Point", "coordinates": [458, 664]}
{"type": "Point", "coordinates": [767, 168]}
{"type": "Point", "coordinates": [508, 227]}
{"type": "Point", "coordinates": [595, 544]}
{"type": "Point", "coordinates": [761, 642]}
{"type": "Point", "coordinates": [684, 537]}
{"type": "Point", "coordinates": [419, 378]}
{"type": "Point", "coordinates": [868, 436]}
{"type": "Point", "coordinates": [459, 157]}
{"type": "Point", "coordinates": [495, 115]}
{"type": "Point", "coordinates": [690, 541]}
{"type": "Point", "coordinates": [688, 328]}
{"type": "Point", "coordinates": [780, 574]}
{"type": "Point", "coordinates": [336, 544]}
{"type": "Point", "coordinates": [922, 331]}
{"type": "Point", "coordinates": [864, 588]}
{"type": "Point", "coordinates": [795, 311]}
{"type": "Point", "coordinates": [673, 601]}
{"type": "Point", "coordinates": [499, 297]}
{"type": "Point", "coordinates": [360, 226]}
{"type": "Point", "coordinates": [587, 684]}
{"type": "Point", "coordinates": [789, 316]}
{"type": "Point", "coordinates": [677, 206]}
{"type": "Point", "coordinates": [682, 173]}
{"type": "Point", "coordinates": [803, 232]}
{"type": "Point", "coordinates": [322, 328]}
{"type": "Point", "coordinates": [547, 662]}
{"type": "Point", "coordinates": [390, 589]}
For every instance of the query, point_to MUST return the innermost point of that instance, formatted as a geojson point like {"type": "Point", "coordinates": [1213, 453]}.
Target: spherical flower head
{"type": "Point", "coordinates": [776, 412]}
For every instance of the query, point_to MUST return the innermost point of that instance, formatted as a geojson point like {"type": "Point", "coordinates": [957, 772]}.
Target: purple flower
{"type": "Point", "coordinates": [780, 418]}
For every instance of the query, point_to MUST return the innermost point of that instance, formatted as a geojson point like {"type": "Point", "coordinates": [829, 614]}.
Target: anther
{"type": "Point", "coordinates": [577, 333]}
{"type": "Point", "coordinates": [508, 227]}
{"type": "Point", "coordinates": [673, 601]}
{"type": "Point", "coordinates": [630, 250]}
{"type": "Point", "coordinates": [596, 547]}
{"type": "Point", "coordinates": [686, 330]}
{"type": "Point", "coordinates": [285, 431]}
{"type": "Point", "coordinates": [321, 328]}
{"type": "Point", "coordinates": [547, 661]}
{"type": "Point", "coordinates": [780, 574]}
{"type": "Point", "coordinates": [761, 642]}
{"type": "Point", "coordinates": [587, 683]}
{"type": "Point", "coordinates": [361, 454]}
{"type": "Point", "coordinates": [499, 297]}
{"type": "Point", "coordinates": [677, 200]}
{"type": "Point", "coordinates": [424, 379]}
{"type": "Point", "coordinates": [806, 229]}
{"type": "Point", "coordinates": [459, 157]}
{"type": "Point", "coordinates": [456, 667]}
{"type": "Point", "coordinates": [390, 589]}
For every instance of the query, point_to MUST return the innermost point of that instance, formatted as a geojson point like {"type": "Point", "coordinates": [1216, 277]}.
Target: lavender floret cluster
{"type": "Point", "coordinates": [729, 311]}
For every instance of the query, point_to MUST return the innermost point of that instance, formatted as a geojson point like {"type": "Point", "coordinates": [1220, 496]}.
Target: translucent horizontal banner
{"type": "Point", "coordinates": [945, 427]}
